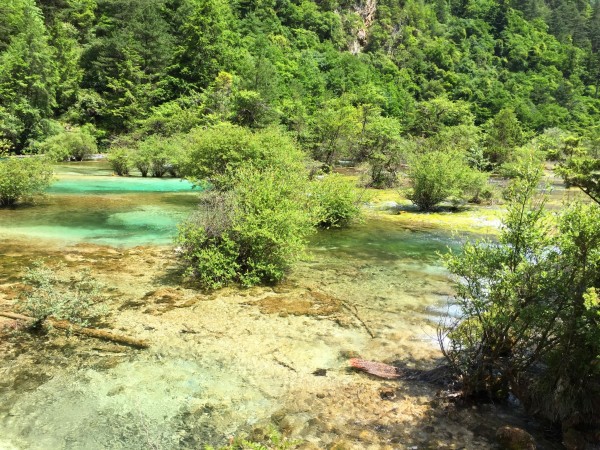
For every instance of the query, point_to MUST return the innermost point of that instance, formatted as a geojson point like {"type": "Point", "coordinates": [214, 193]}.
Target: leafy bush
{"type": "Point", "coordinates": [216, 152]}
{"type": "Point", "coordinates": [158, 156]}
{"type": "Point", "coordinates": [274, 441]}
{"type": "Point", "coordinates": [431, 116]}
{"type": "Point", "coordinates": [170, 118]}
{"type": "Point", "coordinates": [555, 143]}
{"type": "Point", "coordinates": [119, 160]}
{"type": "Point", "coordinates": [503, 135]}
{"type": "Point", "coordinates": [521, 159]}
{"type": "Point", "coordinates": [581, 167]}
{"type": "Point", "coordinates": [152, 156]}
{"type": "Point", "coordinates": [21, 178]}
{"type": "Point", "coordinates": [76, 143]}
{"type": "Point", "coordinates": [337, 201]}
{"type": "Point", "coordinates": [251, 234]}
{"type": "Point", "coordinates": [252, 110]}
{"type": "Point", "coordinates": [76, 299]}
{"type": "Point", "coordinates": [530, 320]}
{"type": "Point", "coordinates": [439, 176]}
{"type": "Point", "coordinates": [142, 160]}
{"type": "Point", "coordinates": [333, 130]}
{"type": "Point", "coordinates": [384, 150]}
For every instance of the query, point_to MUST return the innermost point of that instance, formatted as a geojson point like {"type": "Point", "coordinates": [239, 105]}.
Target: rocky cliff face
{"type": "Point", "coordinates": [365, 12]}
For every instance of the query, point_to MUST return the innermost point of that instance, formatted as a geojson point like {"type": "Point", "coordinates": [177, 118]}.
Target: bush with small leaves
{"type": "Point", "coordinates": [529, 311]}
{"type": "Point", "coordinates": [75, 143]}
{"type": "Point", "coordinates": [442, 176]}
{"type": "Point", "coordinates": [250, 234]}
{"type": "Point", "coordinates": [522, 158]}
{"type": "Point", "coordinates": [119, 160]}
{"type": "Point", "coordinates": [77, 299]}
{"type": "Point", "coordinates": [23, 178]}
{"type": "Point", "coordinates": [337, 201]}
{"type": "Point", "coordinates": [216, 152]}
{"type": "Point", "coordinates": [158, 156]}
{"type": "Point", "coordinates": [274, 441]}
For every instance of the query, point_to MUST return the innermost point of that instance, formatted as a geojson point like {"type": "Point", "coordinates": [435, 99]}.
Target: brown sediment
{"type": "Point", "coordinates": [300, 303]}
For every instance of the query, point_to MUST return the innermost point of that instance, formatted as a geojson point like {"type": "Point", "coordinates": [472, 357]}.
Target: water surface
{"type": "Point", "coordinates": [243, 365]}
{"type": "Point", "coordinates": [88, 204]}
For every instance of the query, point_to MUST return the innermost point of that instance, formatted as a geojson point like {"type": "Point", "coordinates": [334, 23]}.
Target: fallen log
{"type": "Point", "coordinates": [15, 316]}
{"type": "Point", "coordinates": [375, 368]}
{"type": "Point", "coordinates": [83, 331]}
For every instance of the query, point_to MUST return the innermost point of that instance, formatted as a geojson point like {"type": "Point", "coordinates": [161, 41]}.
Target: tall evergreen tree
{"type": "Point", "coordinates": [28, 77]}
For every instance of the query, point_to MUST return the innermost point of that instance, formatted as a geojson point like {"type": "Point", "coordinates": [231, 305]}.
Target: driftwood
{"type": "Point", "coordinates": [83, 331]}
{"type": "Point", "coordinates": [440, 376]}
{"type": "Point", "coordinates": [15, 316]}
{"type": "Point", "coordinates": [377, 369]}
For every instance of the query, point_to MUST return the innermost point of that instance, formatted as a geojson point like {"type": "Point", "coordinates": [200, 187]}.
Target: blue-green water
{"type": "Point", "coordinates": [218, 365]}
{"type": "Point", "coordinates": [115, 185]}
{"type": "Point", "coordinates": [88, 204]}
{"type": "Point", "coordinates": [96, 178]}
{"type": "Point", "coordinates": [385, 242]}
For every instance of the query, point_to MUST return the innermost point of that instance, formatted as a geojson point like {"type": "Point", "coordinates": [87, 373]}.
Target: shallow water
{"type": "Point", "coordinates": [87, 204]}
{"type": "Point", "coordinates": [249, 358]}
{"type": "Point", "coordinates": [97, 178]}
{"type": "Point", "coordinates": [245, 365]}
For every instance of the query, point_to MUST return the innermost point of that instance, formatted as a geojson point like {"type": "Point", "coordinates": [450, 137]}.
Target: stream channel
{"type": "Point", "coordinates": [238, 362]}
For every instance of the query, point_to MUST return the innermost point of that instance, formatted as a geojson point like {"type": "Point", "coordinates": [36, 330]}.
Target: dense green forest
{"type": "Point", "coordinates": [257, 100]}
{"type": "Point", "coordinates": [346, 78]}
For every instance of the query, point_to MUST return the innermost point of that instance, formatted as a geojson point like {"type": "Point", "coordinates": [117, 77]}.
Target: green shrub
{"type": "Point", "coordinates": [530, 320]}
{"type": "Point", "coordinates": [274, 441]}
{"type": "Point", "coordinates": [119, 160]}
{"type": "Point", "coordinates": [208, 251]}
{"type": "Point", "coordinates": [216, 152]}
{"type": "Point", "coordinates": [337, 201]}
{"type": "Point", "coordinates": [581, 165]}
{"type": "Point", "coordinates": [152, 156]}
{"type": "Point", "coordinates": [251, 234]}
{"type": "Point", "coordinates": [158, 156]}
{"type": "Point", "coordinates": [75, 143]}
{"type": "Point", "coordinates": [142, 160]}
{"type": "Point", "coordinates": [439, 176]}
{"type": "Point", "coordinates": [503, 134]}
{"type": "Point", "coordinates": [76, 299]}
{"type": "Point", "coordinates": [384, 151]}
{"type": "Point", "coordinates": [22, 178]}
{"type": "Point", "coordinates": [521, 159]}
{"type": "Point", "coordinates": [170, 118]}
{"type": "Point", "coordinates": [554, 143]}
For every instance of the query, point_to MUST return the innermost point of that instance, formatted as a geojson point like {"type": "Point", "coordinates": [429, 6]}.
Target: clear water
{"type": "Point", "coordinates": [234, 373]}
{"type": "Point", "coordinates": [88, 204]}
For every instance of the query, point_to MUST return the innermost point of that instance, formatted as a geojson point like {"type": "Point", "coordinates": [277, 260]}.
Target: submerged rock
{"type": "Point", "coordinates": [513, 438]}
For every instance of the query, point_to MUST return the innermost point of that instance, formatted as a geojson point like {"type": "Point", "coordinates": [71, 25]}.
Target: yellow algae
{"type": "Point", "coordinates": [478, 220]}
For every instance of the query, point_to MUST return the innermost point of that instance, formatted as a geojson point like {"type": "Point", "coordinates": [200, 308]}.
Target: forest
{"type": "Point", "coordinates": [298, 119]}
{"type": "Point", "coordinates": [143, 68]}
